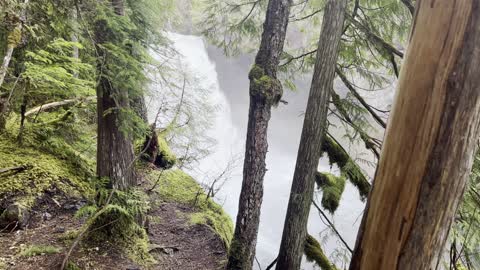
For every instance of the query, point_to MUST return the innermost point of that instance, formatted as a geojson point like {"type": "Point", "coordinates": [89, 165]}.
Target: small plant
{"type": "Point", "coordinates": [72, 266]}
{"type": "Point", "coordinates": [37, 250]}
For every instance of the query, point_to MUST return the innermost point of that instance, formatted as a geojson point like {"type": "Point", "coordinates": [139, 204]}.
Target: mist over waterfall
{"type": "Point", "coordinates": [226, 80]}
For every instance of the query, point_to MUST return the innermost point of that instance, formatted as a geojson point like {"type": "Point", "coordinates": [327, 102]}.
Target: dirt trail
{"type": "Point", "coordinates": [175, 243]}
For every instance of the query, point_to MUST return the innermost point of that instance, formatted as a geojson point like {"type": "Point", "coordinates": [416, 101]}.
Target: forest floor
{"type": "Point", "coordinates": [175, 243]}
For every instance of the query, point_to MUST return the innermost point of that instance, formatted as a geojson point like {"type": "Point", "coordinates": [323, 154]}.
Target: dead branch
{"type": "Point", "coordinates": [52, 105]}
{"type": "Point", "coordinates": [17, 169]}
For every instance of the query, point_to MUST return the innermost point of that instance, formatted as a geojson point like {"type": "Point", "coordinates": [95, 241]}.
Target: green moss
{"type": "Point", "coordinates": [264, 86]}
{"type": "Point", "coordinates": [44, 171]}
{"type": "Point", "coordinates": [116, 225]}
{"type": "Point", "coordinates": [68, 236]}
{"type": "Point", "coordinates": [72, 266]}
{"type": "Point", "coordinates": [332, 190]}
{"type": "Point", "coordinates": [314, 253]}
{"type": "Point", "coordinates": [15, 37]}
{"type": "Point", "coordinates": [256, 72]}
{"type": "Point", "coordinates": [348, 167]}
{"type": "Point", "coordinates": [177, 186]}
{"type": "Point", "coordinates": [39, 250]}
{"type": "Point", "coordinates": [166, 158]}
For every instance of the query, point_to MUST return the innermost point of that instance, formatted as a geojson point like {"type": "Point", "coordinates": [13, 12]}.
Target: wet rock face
{"type": "Point", "coordinates": [15, 216]}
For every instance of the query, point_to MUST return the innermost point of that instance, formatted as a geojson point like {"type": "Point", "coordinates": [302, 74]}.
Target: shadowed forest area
{"type": "Point", "coordinates": [240, 134]}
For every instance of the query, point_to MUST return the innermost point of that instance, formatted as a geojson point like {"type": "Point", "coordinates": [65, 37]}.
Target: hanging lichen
{"type": "Point", "coordinates": [332, 189]}
{"type": "Point", "coordinates": [336, 154]}
{"type": "Point", "coordinates": [314, 253]}
{"type": "Point", "coordinates": [264, 86]}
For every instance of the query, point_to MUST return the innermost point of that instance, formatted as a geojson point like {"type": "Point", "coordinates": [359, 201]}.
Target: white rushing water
{"type": "Point", "coordinates": [228, 84]}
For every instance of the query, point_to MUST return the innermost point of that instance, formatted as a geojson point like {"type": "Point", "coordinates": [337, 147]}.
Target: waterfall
{"type": "Point", "coordinates": [227, 82]}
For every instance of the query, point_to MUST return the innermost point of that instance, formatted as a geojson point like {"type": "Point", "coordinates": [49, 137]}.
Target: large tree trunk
{"type": "Point", "coordinates": [295, 228]}
{"type": "Point", "coordinates": [265, 92]}
{"type": "Point", "coordinates": [430, 141]}
{"type": "Point", "coordinates": [115, 154]}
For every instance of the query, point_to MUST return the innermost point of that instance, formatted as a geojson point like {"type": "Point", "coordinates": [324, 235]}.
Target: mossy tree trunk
{"type": "Point", "coordinates": [430, 142]}
{"type": "Point", "coordinates": [265, 92]}
{"type": "Point", "coordinates": [314, 128]}
{"type": "Point", "coordinates": [115, 149]}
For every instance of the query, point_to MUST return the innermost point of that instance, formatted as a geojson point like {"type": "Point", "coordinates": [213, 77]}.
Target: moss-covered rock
{"type": "Point", "coordinates": [15, 216]}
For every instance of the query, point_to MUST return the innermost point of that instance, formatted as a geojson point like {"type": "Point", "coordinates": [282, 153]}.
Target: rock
{"type": "Point", "coordinates": [59, 230]}
{"type": "Point", "coordinates": [73, 206]}
{"type": "Point", "coordinates": [47, 216]}
{"type": "Point", "coordinates": [15, 215]}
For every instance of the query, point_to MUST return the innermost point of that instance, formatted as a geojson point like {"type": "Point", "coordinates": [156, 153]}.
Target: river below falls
{"type": "Point", "coordinates": [227, 80]}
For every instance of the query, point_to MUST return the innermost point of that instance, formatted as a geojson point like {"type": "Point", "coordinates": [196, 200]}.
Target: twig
{"type": "Point", "coordinates": [271, 265]}
{"type": "Point", "coordinates": [16, 169]}
{"type": "Point", "coordinates": [332, 226]}
{"type": "Point", "coordinates": [258, 263]}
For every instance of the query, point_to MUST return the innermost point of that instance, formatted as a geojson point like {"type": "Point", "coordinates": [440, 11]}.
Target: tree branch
{"type": "Point", "coordinates": [360, 98]}
{"type": "Point", "coordinates": [56, 104]}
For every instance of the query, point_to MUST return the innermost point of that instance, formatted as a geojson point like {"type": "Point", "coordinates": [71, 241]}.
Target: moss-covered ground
{"type": "Point", "coordinates": [177, 186]}
{"type": "Point", "coordinates": [42, 172]}
{"type": "Point", "coordinates": [57, 158]}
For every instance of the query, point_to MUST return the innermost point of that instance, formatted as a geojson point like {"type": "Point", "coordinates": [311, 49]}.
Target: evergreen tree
{"type": "Point", "coordinates": [314, 128]}
{"type": "Point", "coordinates": [265, 92]}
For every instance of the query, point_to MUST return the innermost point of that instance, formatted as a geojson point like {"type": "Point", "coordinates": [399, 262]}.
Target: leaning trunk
{"type": "Point", "coordinates": [309, 152]}
{"type": "Point", "coordinates": [265, 92]}
{"type": "Point", "coordinates": [430, 141]}
{"type": "Point", "coordinates": [115, 154]}
{"type": "Point", "coordinates": [13, 41]}
{"type": "Point", "coordinates": [6, 62]}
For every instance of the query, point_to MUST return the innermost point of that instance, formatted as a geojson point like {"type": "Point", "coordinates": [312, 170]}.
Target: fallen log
{"type": "Point", "coordinates": [56, 104]}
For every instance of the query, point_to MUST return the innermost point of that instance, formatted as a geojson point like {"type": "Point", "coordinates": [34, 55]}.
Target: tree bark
{"type": "Point", "coordinates": [13, 40]}
{"type": "Point", "coordinates": [430, 141]}
{"type": "Point", "coordinates": [6, 62]}
{"type": "Point", "coordinates": [295, 228]}
{"type": "Point", "coordinates": [265, 92]}
{"type": "Point", "coordinates": [114, 148]}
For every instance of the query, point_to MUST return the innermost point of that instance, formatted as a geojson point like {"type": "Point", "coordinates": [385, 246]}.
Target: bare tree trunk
{"type": "Point", "coordinates": [6, 62]}
{"type": "Point", "coordinates": [14, 39]}
{"type": "Point", "coordinates": [430, 141]}
{"type": "Point", "coordinates": [295, 228]}
{"type": "Point", "coordinates": [114, 148]}
{"type": "Point", "coordinates": [265, 92]}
